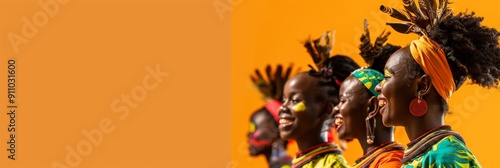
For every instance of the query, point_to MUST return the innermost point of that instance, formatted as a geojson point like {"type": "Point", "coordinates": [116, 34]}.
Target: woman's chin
{"type": "Point", "coordinates": [254, 151]}
{"type": "Point", "coordinates": [286, 136]}
{"type": "Point", "coordinates": [387, 121]}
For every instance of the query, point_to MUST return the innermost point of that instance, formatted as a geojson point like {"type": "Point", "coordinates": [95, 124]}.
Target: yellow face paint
{"type": "Point", "coordinates": [252, 127]}
{"type": "Point", "coordinates": [387, 73]}
{"type": "Point", "coordinates": [300, 107]}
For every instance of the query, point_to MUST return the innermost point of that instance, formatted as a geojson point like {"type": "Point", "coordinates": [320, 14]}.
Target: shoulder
{"type": "Point", "coordinates": [329, 160]}
{"type": "Point", "coordinates": [336, 161]}
{"type": "Point", "coordinates": [449, 151]}
{"type": "Point", "coordinates": [389, 159]}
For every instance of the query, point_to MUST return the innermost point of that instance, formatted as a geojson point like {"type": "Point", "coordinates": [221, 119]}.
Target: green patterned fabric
{"type": "Point", "coordinates": [447, 153]}
{"type": "Point", "coordinates": [369, 77]}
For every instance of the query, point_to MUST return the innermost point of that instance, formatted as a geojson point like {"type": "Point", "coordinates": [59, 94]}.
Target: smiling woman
{"type": "Point", "coordinates": [422, 77]}
{"type": "Point", "coordinates": [308, 101]}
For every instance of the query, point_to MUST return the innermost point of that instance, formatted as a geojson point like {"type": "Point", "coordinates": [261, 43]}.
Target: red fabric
{"type": "Point", "coordinates": [330, 137]}
{"type": "Point", "coordinates": [273, 106]}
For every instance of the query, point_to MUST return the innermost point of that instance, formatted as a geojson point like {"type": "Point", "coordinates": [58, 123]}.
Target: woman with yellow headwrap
{"type": "Point", "coordinates": [420, 79]}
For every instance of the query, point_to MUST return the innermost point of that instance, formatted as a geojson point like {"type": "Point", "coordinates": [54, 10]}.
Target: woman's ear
{"type": "Point", "coordinates": [424, 84]}
{"type": "Point", "coordinates": [372, 106]}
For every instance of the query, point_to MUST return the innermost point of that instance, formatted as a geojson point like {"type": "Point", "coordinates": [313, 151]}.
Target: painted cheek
{"type": "Point", "coordinates": [255, 134]}
{"type": "Point", "coordinates": [301, 107]}
{"type": "Point", "coordinates": [252, 127]}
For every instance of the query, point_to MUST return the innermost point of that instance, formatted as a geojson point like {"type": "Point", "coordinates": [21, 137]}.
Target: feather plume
{"type": "Point", "coordinates": [394, 13]}
{"type": "Point", "coordinates": [419, 15]}
{"type": "Point", "coordinates": [272, 88]}
{"type": "Point", "coordinates": [369, 51]}
{"type": "Point", "coordinates": [320, 49]}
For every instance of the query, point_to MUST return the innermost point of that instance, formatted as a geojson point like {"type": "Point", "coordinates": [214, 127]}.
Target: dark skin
{"type": "Point", "coordinates": [304, 126]}
{"type": "Point", "coordinates": [356, 103]}
{"type": "Point", "coordinates": [264, 131]}
{"type": "Point", "coordinates": [398, 91]}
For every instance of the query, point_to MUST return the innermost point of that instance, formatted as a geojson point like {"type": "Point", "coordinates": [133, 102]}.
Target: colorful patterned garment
{"type": "Point", "coordinates": [325, 155]}
{"type": "Point", "coordinates": [439, 148]}
{"type": "Point", "coordinates": [386, 155]}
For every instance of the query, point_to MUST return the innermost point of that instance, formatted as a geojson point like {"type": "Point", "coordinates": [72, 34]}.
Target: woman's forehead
{"type": "Point", "coordinates": [301, 83]}
{"type": "Point", "coordinates": [351, 84]}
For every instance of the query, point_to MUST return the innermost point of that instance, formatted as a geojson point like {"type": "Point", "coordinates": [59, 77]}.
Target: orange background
{"type": "Point", "coordinates": [89, 54]}
{"type": "Point", "coordinates": [266, 32]}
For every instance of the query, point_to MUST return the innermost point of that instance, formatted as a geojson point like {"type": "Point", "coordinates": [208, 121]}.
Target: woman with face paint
{"type": "Point", "coordinates": [356, 116]}
{"type": "Point", "coordinates": [308, 102]}
{"type": "Point", "coordinates": [263, 136]}
{"type": "Point", "coordinates": [420, 79]}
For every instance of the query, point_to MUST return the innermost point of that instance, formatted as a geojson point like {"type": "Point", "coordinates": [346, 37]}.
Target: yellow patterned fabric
{"type": "Point", "coordinates": [321, 157]}
{"type": "Point", "coordinates": [448, 152]}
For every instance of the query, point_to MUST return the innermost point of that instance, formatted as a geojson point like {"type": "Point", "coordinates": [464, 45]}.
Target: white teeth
{"type": "Point", "coordinates": [339, 121]}
{"type": "Point", "coordinates": [382, 103]}
{"type": "Point", "coordinates": [285, 121]}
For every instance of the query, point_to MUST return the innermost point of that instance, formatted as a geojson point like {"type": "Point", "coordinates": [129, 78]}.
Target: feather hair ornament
{"type": "Point", "coordinates": [272, 88]}
{"type": "Point", "coordinates": [418, 16]}
{"type": "Point", "coordinates": [370, 51]}
{"type": "Point", "coordinates": [321, 49]}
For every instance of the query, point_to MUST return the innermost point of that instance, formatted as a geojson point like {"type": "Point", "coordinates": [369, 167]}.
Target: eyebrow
{"type": "Point", "coordinates": [390, 70]}
{"type": "Point", "coordinates": [293, 93]}
{"type": "Point", "coordinates": [344, 95]}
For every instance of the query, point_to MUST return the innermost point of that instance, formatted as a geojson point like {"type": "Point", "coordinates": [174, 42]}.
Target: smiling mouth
{"type": "Point", "coordinates": [338, 121]}
{"type": "Point", "coordinates": [382, 104]}
{"type": "Point", "coordinates": [285, 121]}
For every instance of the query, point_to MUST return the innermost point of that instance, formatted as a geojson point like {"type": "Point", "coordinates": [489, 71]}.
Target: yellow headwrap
{"type": "Point", "coordinates": [433, 61]}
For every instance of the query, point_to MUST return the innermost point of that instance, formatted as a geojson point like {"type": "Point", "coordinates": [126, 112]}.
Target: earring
{"type": "Point", "coordinates": [370, 130]}
{"type": "Point", "coordinates": [418, 106]}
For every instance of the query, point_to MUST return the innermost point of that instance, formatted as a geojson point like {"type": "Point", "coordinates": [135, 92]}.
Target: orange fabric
{"type": "Point", "coordinates": [388, 159]}
{"type": "Point", "coordinates": [433, 61]}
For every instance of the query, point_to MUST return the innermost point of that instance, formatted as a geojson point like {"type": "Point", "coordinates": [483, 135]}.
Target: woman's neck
{"type": "Point", "coordinates": [420, 125]}
{"type": "Point", "coordinates": [381, 137]}
{"type": "Point", "coordinates": [308, 142]}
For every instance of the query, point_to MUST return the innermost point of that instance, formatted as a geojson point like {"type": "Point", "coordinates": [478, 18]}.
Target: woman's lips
{"type": "Point", "coordinates": [382, 102]}
{"type": "Point", "coordinates": [339, 120]}
{"type": "Point", "coordinates": [286, 121]}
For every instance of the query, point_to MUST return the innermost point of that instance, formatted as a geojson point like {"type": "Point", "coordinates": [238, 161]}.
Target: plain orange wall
{"type": "Point", "coordinates": [93, 52]}
{"type": "Point", "coordinates": [272, 31]}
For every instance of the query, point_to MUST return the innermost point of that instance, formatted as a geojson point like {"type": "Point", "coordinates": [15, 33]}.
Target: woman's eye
{"type": "Point", "coordinates": [385, 80]}
{"type": "Point", "coordinates": [295, 101]}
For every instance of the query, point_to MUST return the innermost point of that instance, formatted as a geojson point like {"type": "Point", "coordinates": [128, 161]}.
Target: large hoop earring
{"type": "Point", "coordinates": [370, 129]}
